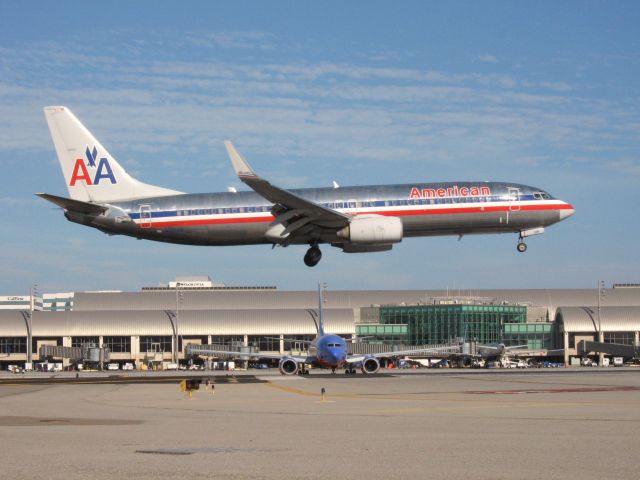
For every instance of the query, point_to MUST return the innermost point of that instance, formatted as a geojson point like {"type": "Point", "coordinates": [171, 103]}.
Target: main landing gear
{"type": "Point", "coordinates": [313, 256]}
{"type": "Point", "coordinates": [522, 247]}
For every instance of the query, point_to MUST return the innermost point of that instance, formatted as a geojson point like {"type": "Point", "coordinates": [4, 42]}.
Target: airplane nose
{"type": "Point", "coordinates": [567, 211]}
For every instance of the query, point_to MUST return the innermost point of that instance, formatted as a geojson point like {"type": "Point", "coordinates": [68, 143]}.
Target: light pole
{"type": "Point", "coordinates": [321, 288]}
{"type": "Point", "coordinates": [32, 307]}
{"type": "Point", "coordinates": [601, 294]}
{"type": "Point", "coordinates": [178, 301]}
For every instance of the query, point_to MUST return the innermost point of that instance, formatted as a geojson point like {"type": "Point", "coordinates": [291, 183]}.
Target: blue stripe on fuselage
{"type": "Point", "coordinates": [191, 212]}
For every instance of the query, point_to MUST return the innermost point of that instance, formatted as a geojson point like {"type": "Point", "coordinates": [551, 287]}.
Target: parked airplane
{"type": "Point", "coordinates": [488, 352]}
{"type": "Point", "coordinates": [325, 351]}
{"type": "Point", "coordinates": [355, 219]}
{"type": "Point", "coordinates": [498, 352]}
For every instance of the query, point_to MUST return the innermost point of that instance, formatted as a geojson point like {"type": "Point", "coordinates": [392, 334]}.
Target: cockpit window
{"type": "Point", "coordinates": [541, 196]}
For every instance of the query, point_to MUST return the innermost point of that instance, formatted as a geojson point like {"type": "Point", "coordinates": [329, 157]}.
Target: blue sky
{"type": "Point", "coordinates": [540, 93]}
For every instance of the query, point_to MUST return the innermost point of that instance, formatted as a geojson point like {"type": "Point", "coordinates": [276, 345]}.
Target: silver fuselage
{"type": "Point", "coordinates": [242, 218]}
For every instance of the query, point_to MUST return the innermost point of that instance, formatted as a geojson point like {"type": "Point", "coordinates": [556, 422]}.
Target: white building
{"type": "Point", "coordinates": [57, 302]}
{"type": "Point", "coordinates": [20, 302]}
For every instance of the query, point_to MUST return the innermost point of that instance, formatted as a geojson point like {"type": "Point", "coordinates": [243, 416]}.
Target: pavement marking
{"type": "Point", "coordinates": [463, 403]}
{"type": "Point", "coordinates": [123, 379]}
{"type": "Point", "coordinates": [22, 421]}
{"type": "Point", "coordinates": [297, 391]}
{"type": "Point", "coordinates": [555, 390]}
{"type": "Point", "coordinates": [279, 379]}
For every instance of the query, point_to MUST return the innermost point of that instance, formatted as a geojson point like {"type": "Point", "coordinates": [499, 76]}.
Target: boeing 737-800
{"type": "Point", "coordinates": [356, 219]}
{"type": "Point", "coordinates": [327, 350]}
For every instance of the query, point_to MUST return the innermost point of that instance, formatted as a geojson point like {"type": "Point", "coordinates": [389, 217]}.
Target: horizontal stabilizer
{"type": "Point", "coordinates": [74, 205]}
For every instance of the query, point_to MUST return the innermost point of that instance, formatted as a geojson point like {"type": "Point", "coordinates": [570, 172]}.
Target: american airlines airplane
{"type": "Point", "coordinates": [327, 350]}
{"type": "Point", "coordinates": [369, 218]}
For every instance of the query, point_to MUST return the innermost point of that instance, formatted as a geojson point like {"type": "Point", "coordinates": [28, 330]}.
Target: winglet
{"type": "Point", "coordinates": [240, 165]}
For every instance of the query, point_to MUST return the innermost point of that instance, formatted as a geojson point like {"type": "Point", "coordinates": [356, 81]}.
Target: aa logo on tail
{"type": "Point", "coordinates": [102, 171]}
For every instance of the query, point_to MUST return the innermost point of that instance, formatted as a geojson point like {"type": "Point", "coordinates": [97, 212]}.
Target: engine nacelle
{"type": "Point", "coordinates": [372, 230]}
{"type": "Point", "coordinates": [288, 366]}
{"type": "Point", "coordinates": [370, 365]}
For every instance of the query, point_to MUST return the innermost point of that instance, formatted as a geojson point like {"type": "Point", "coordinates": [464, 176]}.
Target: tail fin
{"type": "Point", "coordinates": [90, 172]}
{"type": "Point", "coordinates": [320, 310]}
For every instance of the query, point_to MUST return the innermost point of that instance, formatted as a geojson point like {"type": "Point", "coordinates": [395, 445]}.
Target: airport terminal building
{"type": "Point", "coordinates": [155, 324]}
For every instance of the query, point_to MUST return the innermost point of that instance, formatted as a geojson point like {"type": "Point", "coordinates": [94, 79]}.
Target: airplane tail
{"type": "Point", "coordinates": [90, 172]}
{"type": "Point", "coordinates": [320, 311]}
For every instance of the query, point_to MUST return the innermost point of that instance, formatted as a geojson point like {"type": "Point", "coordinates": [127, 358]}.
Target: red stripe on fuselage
{"type": "Point", "coordinates": [458, 210]}
{"type": "Point", "coordinates": [210, 221]}
{"type": "Point", "coordinates": [388, 213]}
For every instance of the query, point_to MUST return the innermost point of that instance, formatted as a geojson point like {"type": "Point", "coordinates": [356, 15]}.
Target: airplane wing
{"type": "Point", "coordinates": [404, 353]}
{"type": "Point", "coordinates": [214, 352]}
{"type": "Point", "coordinates": [291, 340]}
{"type": "Point", "coordinates": [297, 212]}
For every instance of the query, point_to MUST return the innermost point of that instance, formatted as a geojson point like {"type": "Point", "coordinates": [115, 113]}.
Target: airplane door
{"type": "Point", "coordinates": [145, 216]}
{"type": "Point", "coordinates": [514, 199]}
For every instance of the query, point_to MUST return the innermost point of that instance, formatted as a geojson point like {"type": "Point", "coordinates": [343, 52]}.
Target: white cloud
{"type": "Point", "coordinates": [299, 110]}
{"type": "Point", "coordinates": [630, 166]}
{"type": "Point", "coordinates": [234, 39]}
{"type": "Point", "coordinates": [488, 58]}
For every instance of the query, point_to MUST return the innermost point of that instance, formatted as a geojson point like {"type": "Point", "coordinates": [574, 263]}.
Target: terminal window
{"type": "Point", "coordinates": [9, 345]}
{"type": "Point", "coordinates": [117, 344]}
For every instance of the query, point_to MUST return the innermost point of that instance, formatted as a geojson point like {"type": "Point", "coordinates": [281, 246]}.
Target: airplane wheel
{"type": "Point", "coordinates": [312, 257]}
{"type": "Point", "coordinates": [522, 247]}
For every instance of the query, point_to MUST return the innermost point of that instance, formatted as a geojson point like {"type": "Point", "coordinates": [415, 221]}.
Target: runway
{"type": "Point", "coordinates": [526, 425]}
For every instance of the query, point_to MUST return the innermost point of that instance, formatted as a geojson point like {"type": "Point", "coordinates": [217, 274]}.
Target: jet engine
{"type": "Point", "coordinates": [288, 366]}
{"type": "Point", "coordinates": [372, 230]}
{"type": "Point", "coordinates": [370, 365]}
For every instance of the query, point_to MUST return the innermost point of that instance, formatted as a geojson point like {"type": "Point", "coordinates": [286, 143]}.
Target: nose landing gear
{"type": "Point", "coordinates": [313, 256]}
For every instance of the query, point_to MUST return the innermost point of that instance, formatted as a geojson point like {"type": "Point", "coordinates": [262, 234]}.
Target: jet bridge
{"type": "Point", "coordinates": [241, 351]}
{"type": "Point", "coordinates": [439, 350]}
{"type": "Point", "coordinates": [613, 349]}
{"type": "Point", "coordinates": [86, 353]}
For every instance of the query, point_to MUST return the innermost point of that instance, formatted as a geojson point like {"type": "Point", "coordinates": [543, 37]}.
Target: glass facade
{"type": "Point", "coordinates": [622, 338]}
{"type": "Point", "coordinates": [383, 333]}
{"type": "Point", "coordinates": [80, 341]}
{"type": "Point", "coordinates": [297, 342]}
{"type": "Point", "coordinates": [270, 343]}
{"type": "Point", "coordinates": [9, 345]}
{"type": "Point", "coordinates": [156, 344]}
{"type": "Point", "coordinates": [117, 344]}
{"type": "Point", "coordinates": [535, 335]}
{"type": "Point", "coordinates": [432, 324]}
{"type": "Point", "coordinates": [228, 340]}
